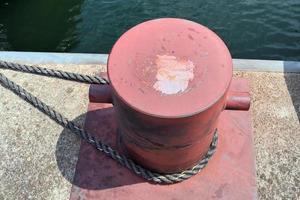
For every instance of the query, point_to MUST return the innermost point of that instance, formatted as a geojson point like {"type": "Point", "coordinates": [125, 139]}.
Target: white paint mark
{"type": "Point", "coordinates": [173, 74]}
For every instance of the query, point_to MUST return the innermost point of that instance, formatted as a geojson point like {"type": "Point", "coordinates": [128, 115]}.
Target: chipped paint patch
{"type": "Point", "coordinates": [173, 74]}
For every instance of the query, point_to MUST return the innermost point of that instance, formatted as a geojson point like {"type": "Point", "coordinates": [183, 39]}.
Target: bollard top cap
{"type": "Point", "coordinates": [170, 68]}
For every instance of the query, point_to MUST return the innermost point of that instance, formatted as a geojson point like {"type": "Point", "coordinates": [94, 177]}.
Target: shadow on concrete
{"type": "Point", "coordinates": [67, 150]}
{"type": "Point", "coordinates": [93, 170]}
{"type": "Point", "coordinates": [293, 84]}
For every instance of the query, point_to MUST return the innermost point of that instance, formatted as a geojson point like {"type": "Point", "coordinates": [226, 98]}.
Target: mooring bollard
{"type": "Point", "coordinates": [170, 90]}
{"type": "Point", "coordinates": [169, 81]}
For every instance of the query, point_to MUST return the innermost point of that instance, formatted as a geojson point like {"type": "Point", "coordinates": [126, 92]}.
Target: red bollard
{"type": "Point", "coordinates": [171, 86]}
{"type": "Point", "coordinates": [169, 82]}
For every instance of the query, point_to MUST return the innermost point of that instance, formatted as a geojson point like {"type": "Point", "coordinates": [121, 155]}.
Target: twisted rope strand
{"type": "Point", "coordinates": [54, 73]}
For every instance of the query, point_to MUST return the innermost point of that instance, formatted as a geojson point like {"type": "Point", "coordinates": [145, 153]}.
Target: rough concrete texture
{"type": "Point", "coordinates": [38, 157]}
{"type": "Point", "coordinates": [36, 162]}
{"type": "Point", "coordinates": [275, 117]}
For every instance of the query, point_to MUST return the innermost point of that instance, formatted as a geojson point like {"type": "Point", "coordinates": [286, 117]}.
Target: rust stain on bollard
{"type": "Point", "coordinates": [169, 83]}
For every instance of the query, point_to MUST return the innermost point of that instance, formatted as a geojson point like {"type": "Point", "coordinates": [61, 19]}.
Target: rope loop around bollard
{"type": "Point", "coordinates": [98, 144]}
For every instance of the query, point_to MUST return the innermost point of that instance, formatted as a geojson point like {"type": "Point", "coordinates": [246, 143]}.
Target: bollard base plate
{"type": "Point", "coordinates": [230, 174]}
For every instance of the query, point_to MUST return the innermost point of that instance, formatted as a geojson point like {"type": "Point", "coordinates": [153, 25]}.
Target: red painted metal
{"type": "Point", "coordinates": [230, 174]}
{"type": "Point", "coordinates": [235, 100]}
{"type": "Point", "coordinates": [238, 100]}
{"type": "Point", "coordinates": [100, 94]}
{"type": "Point", "coordinates": [170, 68]}
{"type": "Point", "coordinates": [169, 83]}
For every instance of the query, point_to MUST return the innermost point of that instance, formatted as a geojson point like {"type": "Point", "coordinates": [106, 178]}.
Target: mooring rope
{"type": "Point", "coordinates": [54, 73]}
{"type": "Point", "coordinates": [86, 136]}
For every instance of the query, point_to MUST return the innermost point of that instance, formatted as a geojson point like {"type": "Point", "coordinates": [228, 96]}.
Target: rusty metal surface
{"type": "Point", "coordinates": [229, 175]}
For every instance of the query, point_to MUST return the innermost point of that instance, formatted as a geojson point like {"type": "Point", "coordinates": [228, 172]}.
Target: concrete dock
{"type": "Point", "coordinates": [38, 157]}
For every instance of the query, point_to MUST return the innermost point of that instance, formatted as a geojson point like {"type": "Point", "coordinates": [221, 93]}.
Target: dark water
{"type": "Point", "coordinates": [251, 28]}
